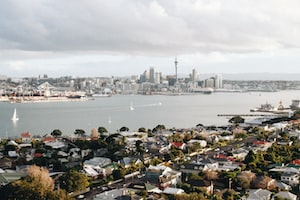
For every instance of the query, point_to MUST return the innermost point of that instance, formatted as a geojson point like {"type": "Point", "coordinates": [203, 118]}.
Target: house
{"type": "Point", "coordinates": [296, 162]}
{"type": "Point", "coordinates": [191, 168]}
{"type": "Point", "coordinates": [290, 176]}
{"type": "Point", "coordinates": [258, 194]}
{"type": "Point", "coordinates": [127, 161]}
{"type": "Point", "coordinates": [162, 176]}
{"type": "Point", "coordinates": [261, 145]}
{"type": "Point", "coordinates": [97, 166]}
{"type": "Point", "coordinates": [285, 195]}
{"type": "Point", "coordinates": [26, 137]}
{"type": "Point", "coordinates": [240, 153]}
{"type": "Point", "coordinates": [97, 161]}
{"type": "Point", "coordinates": [55, 144]}
{"type": "Point", "coordinates": [7, 177]}
{"type": "Point", "coordinates": [6, 163]}
{"type": "Point", "coordinates": [209, 164]}
{"type": "Point", "coordinates": [173, 191]}
{"type": "Point", "coordinates": [202, 143]}
{"type": "Point", "coordinates": [283, 186]}
{"type": "Point", "coordinates": [178, 145]}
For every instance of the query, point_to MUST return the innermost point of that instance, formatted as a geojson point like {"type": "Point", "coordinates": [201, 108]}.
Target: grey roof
{"type": "Point", "coordinates": [286, 195]}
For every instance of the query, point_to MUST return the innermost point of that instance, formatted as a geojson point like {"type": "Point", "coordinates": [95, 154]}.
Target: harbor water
{"type": "Point", "coordinates": [133, 111]}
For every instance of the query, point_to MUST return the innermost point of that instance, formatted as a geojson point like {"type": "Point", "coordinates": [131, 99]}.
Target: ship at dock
{"type": "Point", "coordinates": [267, 107]}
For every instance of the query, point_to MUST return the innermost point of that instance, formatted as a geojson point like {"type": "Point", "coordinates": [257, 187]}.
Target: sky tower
{"type": "Point", "coordinates": [176, 62]}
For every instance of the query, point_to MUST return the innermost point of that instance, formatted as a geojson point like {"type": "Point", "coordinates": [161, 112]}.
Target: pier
{"type": "Point", "coordinates": [248, 115]}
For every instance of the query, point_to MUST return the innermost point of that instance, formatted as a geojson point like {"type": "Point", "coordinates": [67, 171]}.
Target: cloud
{"type": "Point", "coordinates": [70, 35]}
{"type": "Point", "coordinates": [149, 27]}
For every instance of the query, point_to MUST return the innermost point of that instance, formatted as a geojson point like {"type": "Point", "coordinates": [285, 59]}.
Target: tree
{"type": "Point", "coordinates": [139, 147]}
{"type": "Point", "coordinates": [73, 181]}
{"type": "Point", "coordinates": [160, 127]}
{"type": "Point", "coordinates": [245, 178]}
{"type": "Point", "coordinates": [56, 133]}
{"type": "Point", "coordinates": [142, 130]}
{"type": "Point", "coordinates": [102, 130]}
{"type": "Point", "coordinates": [35, 186]}
{"type": "Point", "coordinates": [124, 129]}
{"type": "Point", "coordinates": [118, 173]}
{"type": "Point", "coordinates": [210, 175]}
{"type": "Point", "coordinates": [237, 120]}
{"type": "Point", "coordinates": [79, 132]}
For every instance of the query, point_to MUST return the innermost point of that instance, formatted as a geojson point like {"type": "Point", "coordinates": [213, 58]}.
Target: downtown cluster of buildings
{"type": "Point", "coordinates": [149, 82]}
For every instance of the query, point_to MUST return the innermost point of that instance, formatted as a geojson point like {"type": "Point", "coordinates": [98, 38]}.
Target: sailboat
{"type": "Point", "coordinates": [131, 106]}
{"type": "Point", "coordinates": [15, 116]}
{"type": "Point", "coordinates": [109, 120]}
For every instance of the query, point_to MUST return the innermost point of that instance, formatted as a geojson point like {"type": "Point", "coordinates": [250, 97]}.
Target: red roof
{"type": "Point", "coordinates": [259, 142]}
{"type": "Point", "coordinates": [220, 156]}
{"type": "Point", "coordinates": [26, 135]}
{"type": "Point", "coordinates": [49, 139]}
{"type": "Point", "coordinates": [296, 162]}
{"type": "Point", "coordinates": [177, 144]}
{"type": "Point", "coordinates": [37, 155]}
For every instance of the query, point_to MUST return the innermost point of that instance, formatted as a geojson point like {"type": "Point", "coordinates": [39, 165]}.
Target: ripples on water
{"type": "Point", "coordinates": [114, 112]}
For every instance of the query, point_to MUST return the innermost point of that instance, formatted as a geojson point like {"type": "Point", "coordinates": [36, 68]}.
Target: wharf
{"type": "Point", "coordinates": [247, 115]}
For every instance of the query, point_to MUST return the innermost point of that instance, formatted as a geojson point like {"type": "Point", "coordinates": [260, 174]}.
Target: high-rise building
{"type": "Point", "coordinates": [218, 81]}
{"type": "Point", "coordinates": [210, 82]}
{"type": "Point", "coordinates": [194, 76]}
{"type": "Point", "coordinates": [157, 77]}
{"type": "Point", "coordinates": [152, 75]}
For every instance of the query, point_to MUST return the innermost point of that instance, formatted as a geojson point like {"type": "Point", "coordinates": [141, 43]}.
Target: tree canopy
{"type": "Point", "coordinates": [237, 120]}
{"type": "Point", "coordinates": [79, 132]}
{"type": "Point", "coordinates": [35, 186]}
{"type": "Point", "coordinates": [102, 129]}
{"type": "Point", "coordinates": [56, 133]}
{"type": "Point", "coordinates": [123, 129]}
{"type": "Point", "coordinates": [73, 181]}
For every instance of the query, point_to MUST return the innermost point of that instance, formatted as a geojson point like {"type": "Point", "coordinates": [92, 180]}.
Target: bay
{"type": "Point", "coordinates": [182, 111]}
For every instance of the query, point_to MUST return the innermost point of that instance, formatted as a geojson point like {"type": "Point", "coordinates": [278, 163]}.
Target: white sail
{"type": "Point", "coordinates": [131, 106]}
{"type": "Point", "coordinates": [15, 116]}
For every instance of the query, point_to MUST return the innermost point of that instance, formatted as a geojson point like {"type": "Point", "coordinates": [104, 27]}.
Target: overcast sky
{"type": "Point", "coordinates": [124, 37]}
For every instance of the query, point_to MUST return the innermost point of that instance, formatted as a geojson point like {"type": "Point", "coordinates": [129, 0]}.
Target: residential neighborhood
{"type": "Point", "coordinates": [238, 161]}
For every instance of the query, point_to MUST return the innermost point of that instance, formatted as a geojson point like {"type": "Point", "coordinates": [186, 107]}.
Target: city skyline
{"type": "Point", "coordinates": [124, 38]}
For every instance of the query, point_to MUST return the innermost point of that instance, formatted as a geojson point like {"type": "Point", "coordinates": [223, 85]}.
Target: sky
{"type": "Point", "coordinates": [99, 38]}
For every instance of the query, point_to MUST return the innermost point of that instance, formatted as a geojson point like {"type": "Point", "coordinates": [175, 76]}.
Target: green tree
{"type": "Point", "coordinates": [102, 130]}
{"type": "Point", "coordinates": [79, 132]}
{"type": "Point", "coordinates": [142, 130]}
{"type": "Point", "coordinates": [118, 173]}
{"type": "Point", "coordinates": [124, 129]}
{"type": "Point", "coordinates": [139, 147]}
{"type": "Point", "coordinates": [160, 127]}
{"type": "Point", "coordinates": [56, 133]}
{"type": "Point", "coordinates": [237, 120]}
{"type": "Point", "coordinates": [35, 186]}
{"type": "Point", "coordinates": [73, 181]}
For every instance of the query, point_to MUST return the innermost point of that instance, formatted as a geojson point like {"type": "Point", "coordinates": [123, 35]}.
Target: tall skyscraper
{"type": "Point", "coordinates": [152, 75]}
{"type": "Point", "coordinates": [218, 81]}
{"type": "Point", "coordinates": [157, 77]}
{"type": "Point", "coordinates": [194, 76]}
